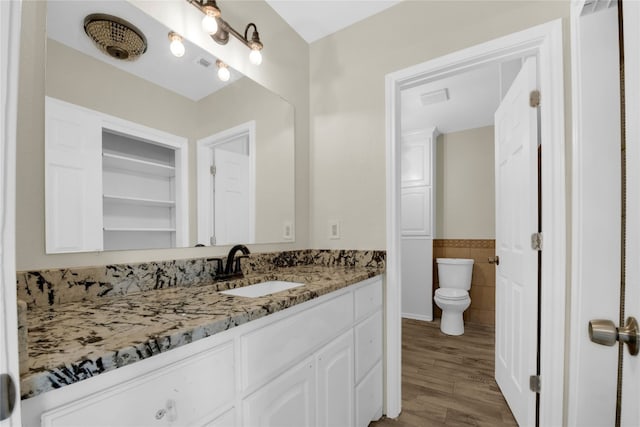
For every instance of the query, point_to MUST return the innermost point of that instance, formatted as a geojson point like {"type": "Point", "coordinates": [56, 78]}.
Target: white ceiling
{"type": "Point", "coordinates": [185, 76]}
{"type": "Point", "coordinates": [315, 19]}
{"type": "Point", "coordinates": [474, 97]}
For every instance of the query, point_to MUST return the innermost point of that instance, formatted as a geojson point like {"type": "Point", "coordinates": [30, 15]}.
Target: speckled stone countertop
{"type": "Point", "coordinates": [74, 341]}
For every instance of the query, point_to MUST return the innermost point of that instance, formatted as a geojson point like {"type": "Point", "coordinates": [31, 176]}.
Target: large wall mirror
{"type": "Point", "coordinates": [158, 152]}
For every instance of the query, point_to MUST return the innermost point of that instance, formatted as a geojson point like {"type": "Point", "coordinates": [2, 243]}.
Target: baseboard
{"type": "Point", "coordinates": [417, 317]}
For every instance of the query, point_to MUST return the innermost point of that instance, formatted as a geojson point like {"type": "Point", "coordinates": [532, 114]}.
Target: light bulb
{"type": "Point", "coordinates": [209, 24]}
{"type": "Point", "coordinates": [176, 46]}
{"type": "Point", "coordinates": [255, 57]}
{"type": "Point", "coordinates": [223, 73]}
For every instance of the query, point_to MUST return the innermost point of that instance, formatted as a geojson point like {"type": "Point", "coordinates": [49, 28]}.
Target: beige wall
{"type": "Point", "coordinates": [284, 71]}
{"type": "Point", "coordinates": [274, 148]}
{"type": "Point", "coordinates": [348, 100]}
{"type": "Point", "coordinates": [465, 189]}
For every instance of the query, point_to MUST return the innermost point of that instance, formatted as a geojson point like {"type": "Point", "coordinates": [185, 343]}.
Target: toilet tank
{"type": "Point", "coordinates": [455, 273]}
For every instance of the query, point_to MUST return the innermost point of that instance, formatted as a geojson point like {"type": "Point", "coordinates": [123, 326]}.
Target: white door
{"type": "Point", "coordinates": [631, 364]}
{"type": "Point", "coordinates": [596, 251]}
{"type": "Point", "coordinates": [231, 201]}
{"type": "Point", "coordinates": [73, 178]}
{"type": "Point", "coordinates": [516, 139]}
{"type": "Point", "coordinates": [10, 15]}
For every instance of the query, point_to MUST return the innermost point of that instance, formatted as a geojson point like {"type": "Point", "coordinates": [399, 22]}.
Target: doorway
{"type": "Point", "coordinates": [226, 170]}
{"type": "Point", "coordinates": [545, 43]}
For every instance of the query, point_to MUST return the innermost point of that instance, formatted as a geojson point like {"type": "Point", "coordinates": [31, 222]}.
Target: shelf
{"type": "Point", "coordinates": [136, 201]}
{"type": "Point", "coordinates": [155, 230]}
{"type": "Point", "coordinates": [117, 161]}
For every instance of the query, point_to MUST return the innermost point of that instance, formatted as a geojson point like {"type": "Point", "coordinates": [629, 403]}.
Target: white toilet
{"type": "Point", "coordinates": [454, 275]}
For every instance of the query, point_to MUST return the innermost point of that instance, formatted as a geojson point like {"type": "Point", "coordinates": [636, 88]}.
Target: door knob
{"type": "Point", "coordinates": [604, 332]}
{"type": "Point", "coordinates": [494, 260]}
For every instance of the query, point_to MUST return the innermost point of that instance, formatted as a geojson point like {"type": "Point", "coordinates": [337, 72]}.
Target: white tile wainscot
{"type": "Point", "coordinates": [318, 363]}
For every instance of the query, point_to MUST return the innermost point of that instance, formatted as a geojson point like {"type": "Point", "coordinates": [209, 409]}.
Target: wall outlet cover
{"type": "Point", "coordinates": [334, 230]}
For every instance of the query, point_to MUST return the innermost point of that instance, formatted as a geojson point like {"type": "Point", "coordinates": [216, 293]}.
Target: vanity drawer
{"type": "Point", "coordinates": [183, 393]}
{"type": "Point", "coordinates": [368, 344]}
{"type": "Point", "coordinates": [368, 298]}
{"type": "Point", "coordinates": [268, 350]}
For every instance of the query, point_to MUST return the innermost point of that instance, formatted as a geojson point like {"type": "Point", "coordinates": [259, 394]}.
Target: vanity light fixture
{"type": "Point", "coordinates": [176, 46]}
{"type": "Point", "coordinates": [221, 30]}
{"type": "Point", "coordinates": [223, 71]}
{"type": "Point", "coordinates": [211, 13]}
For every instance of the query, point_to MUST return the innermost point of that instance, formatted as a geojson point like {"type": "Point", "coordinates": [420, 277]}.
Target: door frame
{"type": "Point", "coordinates": [10, 19]}
{"type": "Point", "coordinates": [204, 192]}
{"type": "Point", "coordinates": [544, 41]}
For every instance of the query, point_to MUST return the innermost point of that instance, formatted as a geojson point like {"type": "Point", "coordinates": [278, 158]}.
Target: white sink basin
{"type": "Point", "coordinates": [262, 289]}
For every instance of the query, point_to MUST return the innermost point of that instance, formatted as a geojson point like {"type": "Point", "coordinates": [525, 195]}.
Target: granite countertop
{"type": "Point", "coordinates": [78, 340]}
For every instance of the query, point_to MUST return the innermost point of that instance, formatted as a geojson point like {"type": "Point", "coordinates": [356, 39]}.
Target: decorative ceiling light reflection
{"type": "Point", "coordinates": [223, 71]}
{"type": "Point", "coordinates": [176, 46]}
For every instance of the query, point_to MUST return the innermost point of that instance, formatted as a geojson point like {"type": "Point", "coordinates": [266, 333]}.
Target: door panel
{"type": "Point", "coordinates": [516, 141]}
{"type": "Point", "coordinates": [231, 198]}
{"type": "Point", "coordinates": [595, 288]}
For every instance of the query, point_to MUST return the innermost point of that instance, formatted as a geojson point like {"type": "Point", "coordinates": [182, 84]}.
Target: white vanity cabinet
{"type": "Point", "coordinates": [111, 184]}
{"type": "Point", "coordinates": [318, 363]}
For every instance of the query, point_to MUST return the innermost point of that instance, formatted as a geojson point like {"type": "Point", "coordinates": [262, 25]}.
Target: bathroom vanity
{"type": "Point", "coordinates": [310, 355]}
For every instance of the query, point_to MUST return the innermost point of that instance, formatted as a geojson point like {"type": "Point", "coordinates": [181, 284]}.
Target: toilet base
{"type": "Point", "coordinates": [452, 323]}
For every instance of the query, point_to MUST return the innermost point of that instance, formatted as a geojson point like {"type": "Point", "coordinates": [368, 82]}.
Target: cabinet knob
{"type": "Point", "coordinates": [169, 409]}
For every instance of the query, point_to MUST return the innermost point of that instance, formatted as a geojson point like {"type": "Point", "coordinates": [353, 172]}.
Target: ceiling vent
{"type": "Point", "coordinates": [115, 36]}
{"type": "Point", "coordinates": [204, 62]}
{"type": "Point", "coordinates": [434, 97]}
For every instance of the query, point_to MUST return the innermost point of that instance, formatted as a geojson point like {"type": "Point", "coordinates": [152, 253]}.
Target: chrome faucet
{"type": "Point", "coordinates": [231, 269]}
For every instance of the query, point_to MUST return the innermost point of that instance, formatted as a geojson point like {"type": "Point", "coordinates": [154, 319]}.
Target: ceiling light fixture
{"type": "Point", "coordinates": [115, 36]}
{"type": "Point", "coordinates": [221, 30]}
{"type": "Point", "coordinates": [223, 71]}
{"type": "Point", "coordinates": [176, 46]}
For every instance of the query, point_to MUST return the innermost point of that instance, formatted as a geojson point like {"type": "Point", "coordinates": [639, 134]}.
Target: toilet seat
{"type": "Point", "coordinates": [451, 294]}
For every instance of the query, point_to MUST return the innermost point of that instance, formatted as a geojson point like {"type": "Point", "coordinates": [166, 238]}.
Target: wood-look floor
{"type": "Point", "coordinates": [448, 381]}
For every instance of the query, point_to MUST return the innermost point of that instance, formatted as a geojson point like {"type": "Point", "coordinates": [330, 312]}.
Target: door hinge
{"type": "Point", "coordinates": [536, 241]}
{"type": "Point", "coordinates": [212, 240]}
{"type": "Point", "coordinates": [534, 99]}
{"type": "Point", "coordinates": [212, 169]}
{"type": "Point", "coordinates": [534, 383]}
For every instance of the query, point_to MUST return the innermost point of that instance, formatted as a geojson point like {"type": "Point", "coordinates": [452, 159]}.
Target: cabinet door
{"type": "Point", "coordinates": [288, 401]}
{"type": "Point", "coordinates": [369, 397]}
{"type": "Point", "coordinates": [368, 344]}
{"type": "Point", "coordinates": [335, 382]}
{"type": "Point", "coordinates": [73, 182]}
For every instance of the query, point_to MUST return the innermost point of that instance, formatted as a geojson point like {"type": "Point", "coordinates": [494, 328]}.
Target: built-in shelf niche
{"type": "Point", "coordinates": [139, 188]}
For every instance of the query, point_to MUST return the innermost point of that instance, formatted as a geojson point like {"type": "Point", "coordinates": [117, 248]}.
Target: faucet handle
{"type": "Point", "coordinates": [238, 266]}
{"type": "Point", "coordinates": [219, 268]}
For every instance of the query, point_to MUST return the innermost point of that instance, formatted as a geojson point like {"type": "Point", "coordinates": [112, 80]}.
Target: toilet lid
{"type": "Point", "coordinates": [449, 293]}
